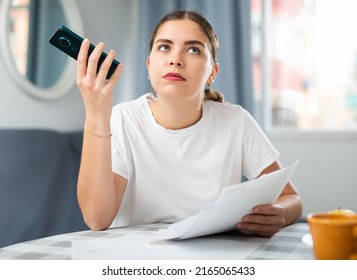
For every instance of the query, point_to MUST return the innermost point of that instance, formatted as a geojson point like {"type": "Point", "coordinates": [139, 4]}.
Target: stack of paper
{"type": "Point", "coordinates": [233, 203]}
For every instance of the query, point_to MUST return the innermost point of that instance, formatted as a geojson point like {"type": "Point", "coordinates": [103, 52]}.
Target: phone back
{"type": "Point", "coordinates": [67, 41]}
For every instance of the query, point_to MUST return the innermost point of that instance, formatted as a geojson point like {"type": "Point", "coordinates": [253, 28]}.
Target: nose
{"type": "Point", "coordinates": [176, 59]}
{"type": "Point", "coordinates": [175, 62]}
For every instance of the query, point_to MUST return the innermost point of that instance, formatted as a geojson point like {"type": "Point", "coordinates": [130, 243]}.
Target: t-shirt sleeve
{"type": "Point", "coordinates": [119, 165]}
{"type": "Point", "coordinates": [258, 152]}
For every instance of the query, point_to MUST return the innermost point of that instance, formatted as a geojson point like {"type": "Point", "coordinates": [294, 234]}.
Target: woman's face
{"type": "Point", "coordinates": [180, 62]}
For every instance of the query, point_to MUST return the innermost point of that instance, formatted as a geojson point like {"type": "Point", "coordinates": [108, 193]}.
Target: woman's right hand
{"type": "Point", "coordinates": [95, 89]}
{"type": "Point", "coordinates": [99, 192]}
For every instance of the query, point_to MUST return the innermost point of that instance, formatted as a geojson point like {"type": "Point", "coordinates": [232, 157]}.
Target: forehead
{"type": "Point", "coordinates": [183, 29]}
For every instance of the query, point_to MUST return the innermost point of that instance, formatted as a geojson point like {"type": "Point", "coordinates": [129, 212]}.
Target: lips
{"type": "Point", "coordinates": [174, 77]}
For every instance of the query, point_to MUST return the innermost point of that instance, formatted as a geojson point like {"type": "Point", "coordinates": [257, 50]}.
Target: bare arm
{"type": "Point", "coordinates": [99, 190]}
{"type": "Point", "coordinates": [269, 219]}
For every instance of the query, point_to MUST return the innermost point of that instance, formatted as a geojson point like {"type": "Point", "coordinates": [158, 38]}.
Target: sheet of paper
{"type": "Point", "coordinates": [150, 246]}
{"type": "Point", "coordinates": [233, 203]}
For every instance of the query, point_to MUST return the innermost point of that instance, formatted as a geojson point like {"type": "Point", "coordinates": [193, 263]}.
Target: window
{"type": "Point", "coordinates": [18, 34]}
{"type": "Point", "coordinates": [304, 55]}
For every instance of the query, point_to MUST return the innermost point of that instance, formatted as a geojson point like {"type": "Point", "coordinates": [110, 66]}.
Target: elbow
{"type": "Point", "coordinates": [96, 216]}
{"type": "Point", "coordinates": [96, 221]}
{"type": "Point", "coordinates": [96, 224]}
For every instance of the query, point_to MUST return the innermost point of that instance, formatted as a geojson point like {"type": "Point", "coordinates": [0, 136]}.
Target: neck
{"type": "Point", "coordinates": [176, 114]}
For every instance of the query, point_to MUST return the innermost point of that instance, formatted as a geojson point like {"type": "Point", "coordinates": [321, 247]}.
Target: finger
{"type": "Point", "coordinates": [262, 230]}
{"type": "Point", "coordinates": [114, 78]}
{"type": "Point", "coordinates": [264, 219]}
{"type": "Point", "coordinates": [82, 59]}
{"type": "Point", "coordinates": [116, 73]}
{"type": "Point", "coordinates": [93, 60]}
{"type": "Point", "coordinates": [104, 68]}
{"type": "Point", "coordinates": [268, 209]}
{"type": "Point", "coordinates": [109, 85]}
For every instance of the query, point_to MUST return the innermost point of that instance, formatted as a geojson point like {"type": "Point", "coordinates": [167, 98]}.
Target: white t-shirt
{"type": "Point", "coordinates": [173, 173]}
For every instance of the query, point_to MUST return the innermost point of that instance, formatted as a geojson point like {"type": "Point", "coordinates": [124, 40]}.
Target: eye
{"type": "Point", "coordinates": [163, 47]}
{"type": "Point", "coordinates": [194, 50]}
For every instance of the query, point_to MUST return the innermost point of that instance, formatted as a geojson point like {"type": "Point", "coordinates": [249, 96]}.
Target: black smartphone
{"type": "Point", "coordinates": [69, 42]}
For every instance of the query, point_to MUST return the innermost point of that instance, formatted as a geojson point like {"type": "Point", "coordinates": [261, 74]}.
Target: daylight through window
{"type": "Point", "coordinates": [304, 55]}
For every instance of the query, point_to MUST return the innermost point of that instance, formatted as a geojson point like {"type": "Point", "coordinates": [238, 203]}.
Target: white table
{"type": "Point", "coordinates": [287, 244]}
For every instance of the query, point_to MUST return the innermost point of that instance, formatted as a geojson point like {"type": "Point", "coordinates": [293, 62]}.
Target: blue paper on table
{"type": "Point", "coordinates": [233, 203]}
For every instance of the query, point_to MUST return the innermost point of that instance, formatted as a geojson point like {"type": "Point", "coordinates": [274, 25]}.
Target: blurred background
{"type": "Point", "coordinates": [291, 63]}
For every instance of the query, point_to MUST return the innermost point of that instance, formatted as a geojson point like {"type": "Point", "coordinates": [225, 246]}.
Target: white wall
{"type": "Point", "coordinates": [326, 176]}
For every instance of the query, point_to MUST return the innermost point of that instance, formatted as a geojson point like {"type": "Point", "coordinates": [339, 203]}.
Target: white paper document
{"type": "Point", "coordinates": [233, 203]}
{"type": "Point", "coordinates": [150, 246]}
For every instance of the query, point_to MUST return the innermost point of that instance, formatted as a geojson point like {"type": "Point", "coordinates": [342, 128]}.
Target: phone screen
{"type": "Point", "coordinates": [69, 42]}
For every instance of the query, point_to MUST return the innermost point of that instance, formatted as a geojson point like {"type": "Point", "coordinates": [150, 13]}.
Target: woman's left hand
{"type": "Point", "coordinates": [266, 220]}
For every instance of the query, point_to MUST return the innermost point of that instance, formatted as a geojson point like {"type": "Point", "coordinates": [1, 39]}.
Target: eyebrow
{"type": "Point", "coordinates": [190, 42]}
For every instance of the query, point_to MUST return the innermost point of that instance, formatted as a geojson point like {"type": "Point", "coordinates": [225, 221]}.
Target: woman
{"type": "Point", "coordinates": [162, 157]}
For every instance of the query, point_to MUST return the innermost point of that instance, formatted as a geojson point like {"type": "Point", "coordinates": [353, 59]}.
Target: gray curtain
{"type": "Point", "coordinates": [231, 21]}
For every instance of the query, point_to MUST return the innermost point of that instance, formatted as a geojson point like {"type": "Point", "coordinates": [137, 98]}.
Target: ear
{"type": "Point", "coordinates": [148, 66]}
{"type": "Point", "coordinates": [214, 73]}
{"type": "Point", "coordinates": [215, 70]}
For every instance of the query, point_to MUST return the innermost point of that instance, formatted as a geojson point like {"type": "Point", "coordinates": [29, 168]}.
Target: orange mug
{"type": "Point", "coordinates": [334, 236]}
